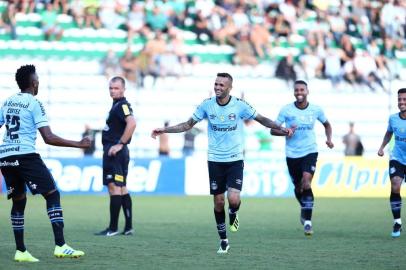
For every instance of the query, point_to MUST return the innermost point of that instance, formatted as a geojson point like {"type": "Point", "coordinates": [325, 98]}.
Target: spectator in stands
{"type": "Point", "coordinates": [201, 28]}
{"type": "Point", "coordinates": [136, 21]}
{"type": "Point", "coordinates": [146, 66]}
{"type": "Point", "coordinates": [189, 141]}
{"type": "Point", "coordinates": [285, 69]}
{"type": "Point", "coordinates": [164, 143]}
{"type": "Point", "coordinates": [25, 6]}
{"type": "Point", "coordinates": [111, 15]}
{"type": "Point", "coordinates": [49, 22]}
{"type": "Point", "coordinates": [366, 70]}
{"type": "Point", "coordinates": [91, 13]}
{"type": "Point", "coordinates": [352, 142]}
{"type": "Point", "coordinates": [244, 52]}
{"type": "Point", "coordinates": [8, 20]}
{"type": "Point", "coordinates": [110, 64]}
{"type": "Point", "coordinates": [128, 65]}
{"type": "Point", "coordinates": [260, 40]}
{"type": "Point", "coordinates": [77, 11]}
{"type": "Point", "coordinates": [332, 67]}
{"type": "Point", "coordinates": [157, 19]}
{"type": "Point", "coordinates": [91, 134]}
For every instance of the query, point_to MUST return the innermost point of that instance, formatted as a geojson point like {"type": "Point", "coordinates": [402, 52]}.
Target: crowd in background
{"type": "Point", "coordinates": [355, 41]}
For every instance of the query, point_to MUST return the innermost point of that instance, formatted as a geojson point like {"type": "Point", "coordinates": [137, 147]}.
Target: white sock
{"type": "Point", "coordinates": [398, 221]}
{"type": "Point", "coordinates": [307, 222]}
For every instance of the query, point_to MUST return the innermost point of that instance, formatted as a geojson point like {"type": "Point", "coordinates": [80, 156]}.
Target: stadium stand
{"type": "Point", "coordinates": [75, 90]}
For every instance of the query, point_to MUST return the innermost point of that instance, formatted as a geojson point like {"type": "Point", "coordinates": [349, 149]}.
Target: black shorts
{"type": "Point", "coordinates": [28, 169]}
{"type": "Point", "coordinates": [115, 168]}
{"type": "Point", "coordinates": [224, 175]}
{"type": "Point", "coordinates": [297, 166]}
{"type": "Point", "coordinates": [397, 169]}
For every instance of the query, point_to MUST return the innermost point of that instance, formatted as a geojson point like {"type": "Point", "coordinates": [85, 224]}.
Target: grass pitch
{"type": "Point", "coordinates": [180, 233]}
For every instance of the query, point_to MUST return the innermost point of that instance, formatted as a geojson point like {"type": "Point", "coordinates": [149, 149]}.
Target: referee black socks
{"type": "Point", "coordinates": [126, 202]}
{"type": "Point", "coordinates": [115, 205]}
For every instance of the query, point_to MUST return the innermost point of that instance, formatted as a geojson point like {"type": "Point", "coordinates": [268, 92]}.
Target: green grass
{"type": "Point", "coordinates": [180, 233]}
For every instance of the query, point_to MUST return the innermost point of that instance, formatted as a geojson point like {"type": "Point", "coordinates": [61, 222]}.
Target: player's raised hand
{"type": "Point", "coordinates": [381, 152]}
{"type": "Point", "coordinates": [85, 142]}
{"type": "Point", "coordinates": [330, 144]}
{"type": "Point", "coordinates": [157, 132]}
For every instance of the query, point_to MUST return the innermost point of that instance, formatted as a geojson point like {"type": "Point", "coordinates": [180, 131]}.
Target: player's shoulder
{"type": "Point", "coordinates": [288, 107]}
{"type": "Point", "coordinates": [394, 116]}
{"type": "Point", "coordinates": [315, 107]}
{"type": "Point", "coordinates": [241, 101]}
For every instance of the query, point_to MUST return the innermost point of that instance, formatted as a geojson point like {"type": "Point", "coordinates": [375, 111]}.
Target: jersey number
{"type": "Point", "coordinates": [12, 126]}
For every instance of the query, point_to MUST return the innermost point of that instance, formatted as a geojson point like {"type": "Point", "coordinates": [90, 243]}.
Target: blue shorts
{"type": "Point", "coordinates": [224, 175]}
{"type": "Point", "coordinates": [115, 168]}
{"type": "Point", "coordinates": [27, 169]}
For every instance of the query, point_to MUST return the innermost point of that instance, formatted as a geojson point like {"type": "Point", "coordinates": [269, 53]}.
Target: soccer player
{"type": "Point", "coordinates": [23, 114]}
{"type": "Point", "coordinates": [301, 148]}
{"type": "Point", "coordinates": [397, 163]}
{"type": "Point", "coordinates": [117, 133]}
{"type": "Point", "coordinates": [225, 115]}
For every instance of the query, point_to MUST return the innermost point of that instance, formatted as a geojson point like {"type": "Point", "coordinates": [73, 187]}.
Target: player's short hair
{"type": "Point", "coordinates": [24, 75]}
{"type": "Point", "coordinates": [118, 78]}
{"type": "Point", "coordinates": [225, 75]}
{"type": "Point", "coordinates": [300, 82]}
{"type": "Point", "coordinates": [402, 91]}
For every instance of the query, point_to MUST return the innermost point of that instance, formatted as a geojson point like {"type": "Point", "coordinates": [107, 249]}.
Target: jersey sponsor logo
{"type": "Point", "coordinates": [304, 127]}
{"type": "Point", "coordinates": [18, 104]}
{"type": "Point", "coordinates": [42, 108]}
{"type": "Point", "coordinates": [212, 116]}
{"type": "Point", "coordinates": [231, 116]}
{"type": "Point", "coordinates": [400, 139]}
{"type": "Point", "coordinates": [126, 110]}
{"type": "Point", "coordinates": [118, 178]}
{"type": "Point", "coordinates": [10, 149]}
{"type": "Point", "coordinates": [225, 129]}
{"type": "Point", "coordinates": [13, 110]}
{"type": "Point", "coordinates": [9, 164]}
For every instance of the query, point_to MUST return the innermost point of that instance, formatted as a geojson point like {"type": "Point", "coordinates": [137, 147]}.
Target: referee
{"type": "Point", "coordinates": [117, 133]}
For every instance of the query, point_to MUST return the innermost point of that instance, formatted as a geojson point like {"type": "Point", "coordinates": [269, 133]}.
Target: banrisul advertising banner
{"type": "Point", "coordinates": [145, 176]}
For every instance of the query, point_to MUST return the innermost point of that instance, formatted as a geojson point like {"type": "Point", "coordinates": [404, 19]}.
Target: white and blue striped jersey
{"type": "Point", "coordinates": [303, 141]}
{"type": "Point", "coordinates": [397, 126]}
{"type": "Point", "coordinates": [22, 114]}
{"type": "Point", "coordinates": [225, 127]}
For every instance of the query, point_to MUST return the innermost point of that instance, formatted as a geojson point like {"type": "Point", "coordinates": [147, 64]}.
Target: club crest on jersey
{"type": "Point", "coordinates": [231, 116]}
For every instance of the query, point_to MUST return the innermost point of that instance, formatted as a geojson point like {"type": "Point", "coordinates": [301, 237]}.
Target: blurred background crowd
{"type": "Point", "coordinates": [355, 42]}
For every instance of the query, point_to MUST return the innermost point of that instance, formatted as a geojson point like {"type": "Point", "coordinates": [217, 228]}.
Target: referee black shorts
{"type": "Point", "coordinates": [115, 168]}
{"type": "Point", "coordinates": [27, 169]}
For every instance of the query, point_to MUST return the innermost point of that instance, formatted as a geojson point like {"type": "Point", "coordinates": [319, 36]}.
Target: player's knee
{"type": "Point", "coordinates": [19, 197]}
{"type": "Point", "coordinates": [396, 183]}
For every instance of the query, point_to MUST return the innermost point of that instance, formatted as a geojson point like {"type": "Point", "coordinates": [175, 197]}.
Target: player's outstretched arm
{"type": "Point", "coordinates": [174, 129]}
{"type": "Point", "coordinates": [329, 133]}
{"type": "Point", "coordinates": [281, 131]}
{"type": "Point", "coordinates": [385, 141]}
{"type": "Point", "coordinates": [52, 139]}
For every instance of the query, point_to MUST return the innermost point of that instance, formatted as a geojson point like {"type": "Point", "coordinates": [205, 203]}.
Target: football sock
{"type": "Point", "coordinates": [307, 203]}
{"type": "Point", "coordinates": [232, 211]}
{"type": "Point", "coordinates": [17, 222]}
{"type": "Point", "coordinates": [126, 202]}
{"type": "Point", "coordinates": [55, 215]}
{"type": "Point", "coordinates": [115, 205]}
{"type": "Point", "coordinates": [395, 204]}
{"type": "Point", "coordinates": [298, 195]}
{"type": "Point", "coordinates": [221, 223]}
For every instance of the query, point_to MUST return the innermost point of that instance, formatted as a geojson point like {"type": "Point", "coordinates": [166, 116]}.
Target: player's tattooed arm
{"type": "Point", "coordinates": [174, 129]}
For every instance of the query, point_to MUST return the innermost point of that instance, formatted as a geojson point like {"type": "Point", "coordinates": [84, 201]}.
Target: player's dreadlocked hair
{"type": "Point", "coordinates": [225, 75]}
{"type": "Point", "coordinates": [23, 76]}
